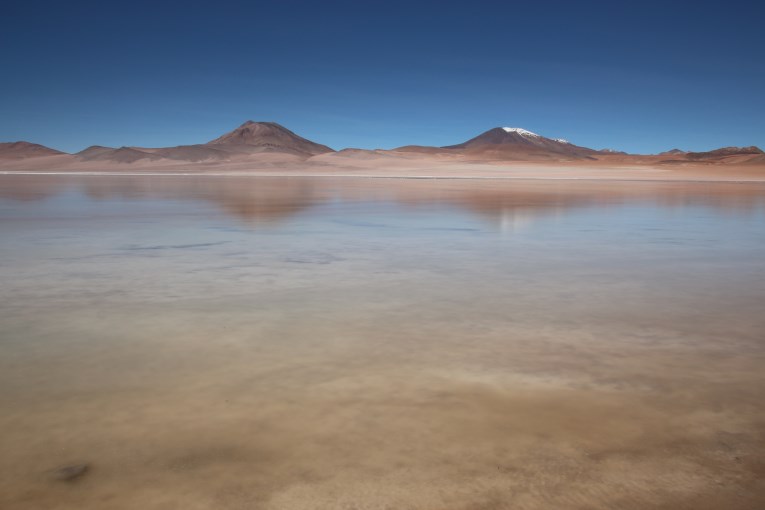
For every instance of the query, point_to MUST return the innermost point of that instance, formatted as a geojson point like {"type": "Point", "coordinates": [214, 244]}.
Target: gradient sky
{"type": "Point", "coordinates": [636, 76]}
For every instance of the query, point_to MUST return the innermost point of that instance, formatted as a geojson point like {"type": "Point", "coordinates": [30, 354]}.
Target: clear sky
{"type": "Point", "coordinates": [637, 76]}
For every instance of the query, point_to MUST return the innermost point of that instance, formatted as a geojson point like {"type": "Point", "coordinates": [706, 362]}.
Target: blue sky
{"type": "Point", "coordinates": [637, 76]}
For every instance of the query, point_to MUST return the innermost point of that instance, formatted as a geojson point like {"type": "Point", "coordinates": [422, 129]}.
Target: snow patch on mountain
{"type": "Point", "coordinates": [520, 131]}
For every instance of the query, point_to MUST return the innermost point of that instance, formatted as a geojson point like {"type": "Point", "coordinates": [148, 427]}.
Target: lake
{"type": "Point", "coordinates": [222, 342]}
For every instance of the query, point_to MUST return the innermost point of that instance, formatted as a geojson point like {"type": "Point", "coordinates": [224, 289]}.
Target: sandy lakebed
{"type": "Point", "coordinates": [294, 342]}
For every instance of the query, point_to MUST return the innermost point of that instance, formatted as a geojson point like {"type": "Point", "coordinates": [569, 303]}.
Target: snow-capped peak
{"type": "Point", "coordinates": [520, 131]}
{"type": "Point", "coordinates": [561, 140]}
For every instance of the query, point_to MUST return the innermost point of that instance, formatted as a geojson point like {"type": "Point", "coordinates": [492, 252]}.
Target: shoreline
{"type": "Point", "coordinates": [397, 176]}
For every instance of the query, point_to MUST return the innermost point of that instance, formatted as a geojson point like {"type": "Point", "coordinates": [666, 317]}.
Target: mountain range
{"type": "Point", "coordinates": [269, 141]}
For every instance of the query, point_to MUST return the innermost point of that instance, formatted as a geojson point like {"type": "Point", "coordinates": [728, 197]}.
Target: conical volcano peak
{"type": "Point", "coordinates": [262, 123]}
{"type": "Point", "coordinates": [522, 144]}
{"type": "Point", "coordinates": [253, 129]}
{"type": "Point", "coordinates": [269, 136]}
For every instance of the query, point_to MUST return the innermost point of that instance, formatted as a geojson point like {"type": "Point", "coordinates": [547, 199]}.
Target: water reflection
{"type": "Point", "coordinates": [507, 204]}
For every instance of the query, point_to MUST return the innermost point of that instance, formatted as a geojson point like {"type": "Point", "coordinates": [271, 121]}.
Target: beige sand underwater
{"type": "Point", "coordinates": [297, 343]}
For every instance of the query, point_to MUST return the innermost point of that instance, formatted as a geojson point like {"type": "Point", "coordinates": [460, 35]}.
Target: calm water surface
{"type": "Point", "coordinates": [329, 343]}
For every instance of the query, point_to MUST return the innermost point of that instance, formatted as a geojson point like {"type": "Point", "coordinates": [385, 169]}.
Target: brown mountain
{"type": "Point", "coordinates": [725, 152]}
{"type": "Point", "coordinates": [120, 155]}
{"type": "Point", "coordinates": [269, 143]}
{"type": "Point", "coordinates": [504, 143]}
{"type": "Point", "coordinates": [252, 137]}
{"type": "Point", "coordinates": [249, 138]}
{"type": "Point", "coordinates": [726, 155]}
{"type": "Point", "coordinates": [22, 150]}
{"type": "Point", "coordinates": [193, 153]}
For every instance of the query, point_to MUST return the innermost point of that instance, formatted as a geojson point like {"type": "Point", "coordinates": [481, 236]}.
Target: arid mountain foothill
{"type": "Point", "coordinates": [269, 146]}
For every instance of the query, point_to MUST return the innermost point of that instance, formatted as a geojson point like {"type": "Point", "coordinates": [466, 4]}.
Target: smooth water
{"type": "Point", "coordinates": [346, 343]}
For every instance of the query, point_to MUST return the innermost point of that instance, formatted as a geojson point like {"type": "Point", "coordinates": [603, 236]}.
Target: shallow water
{"type": "Point", "coordinates": [345, 343]}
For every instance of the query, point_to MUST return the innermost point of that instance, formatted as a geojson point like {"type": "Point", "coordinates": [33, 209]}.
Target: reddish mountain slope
{"type": "Point", "coordinates": [725, 152]}
{"type": "Point", "coordinates": [120, 155]}
{"type": "Point", "coordinates": [518, 143]}
{"type": "Point", "coordinates": [253, 137]}
{"type": "Point", "coordinates": [22, 150]}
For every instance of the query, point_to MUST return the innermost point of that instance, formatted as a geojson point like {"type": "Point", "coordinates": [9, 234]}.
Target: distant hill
{"type": "Point", "coordinates": [248, 139]}
{"type": "Point", "coordinates": [725, 152]}
{"type": "Point", "coordinates": [23, 150]}
{"type": "Point", "coordinates": [120, 155]}
{"type": "Point", "coordinates": [269, 143]}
